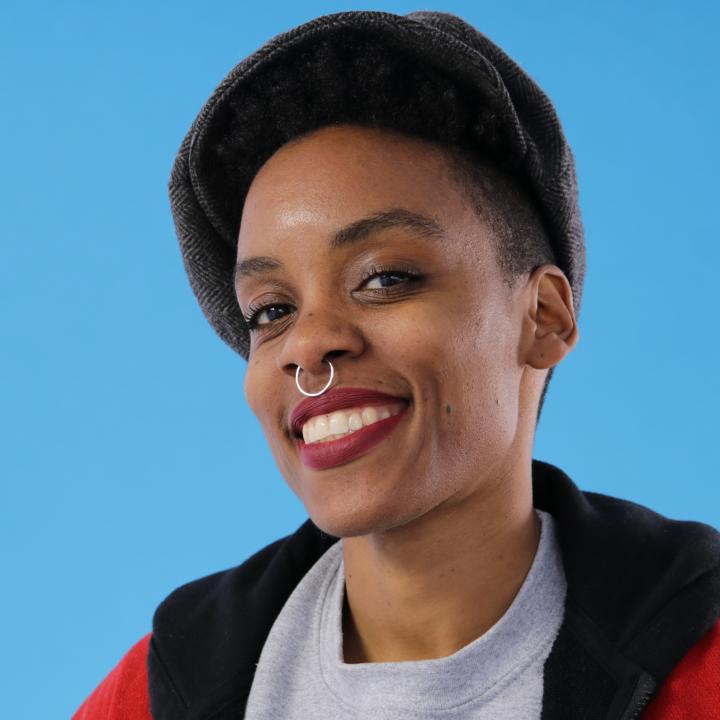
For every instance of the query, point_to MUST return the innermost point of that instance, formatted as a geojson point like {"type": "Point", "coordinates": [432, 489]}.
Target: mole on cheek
{"type": "Point", "coordinates": [448, 408]}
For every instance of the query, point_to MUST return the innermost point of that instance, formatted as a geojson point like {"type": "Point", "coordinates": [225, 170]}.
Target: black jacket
{"type": "Point", "coordinates": [642, 589]}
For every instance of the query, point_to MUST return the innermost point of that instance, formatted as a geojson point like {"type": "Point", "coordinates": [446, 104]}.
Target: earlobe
{"type": "Point", "coordinates": [551, 318]}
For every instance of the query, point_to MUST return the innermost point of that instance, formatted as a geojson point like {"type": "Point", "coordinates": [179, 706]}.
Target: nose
{"type": "Point", "coordinates": [315, 336]}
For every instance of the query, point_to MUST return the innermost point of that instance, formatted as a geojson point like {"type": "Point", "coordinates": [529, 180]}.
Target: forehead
{"type": "Point", "coordinates": [334, 176]}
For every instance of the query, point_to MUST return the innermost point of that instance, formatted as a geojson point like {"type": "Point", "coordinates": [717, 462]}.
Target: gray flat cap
{"type": "Point", "coordinates": [427, 73]}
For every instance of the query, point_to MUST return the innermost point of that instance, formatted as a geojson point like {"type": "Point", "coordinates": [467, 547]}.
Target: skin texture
{"type": "Point", "coordinates": [437, 520]}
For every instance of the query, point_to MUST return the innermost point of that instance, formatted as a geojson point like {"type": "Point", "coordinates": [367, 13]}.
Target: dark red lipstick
{"type": "Point", "coordinates": [329, 453]}
{"type": "Point", "coordinates": [336, 399]}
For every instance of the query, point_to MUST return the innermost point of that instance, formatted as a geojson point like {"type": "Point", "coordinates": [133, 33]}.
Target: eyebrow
{"type": "Point", "coordinates": [354, 232]}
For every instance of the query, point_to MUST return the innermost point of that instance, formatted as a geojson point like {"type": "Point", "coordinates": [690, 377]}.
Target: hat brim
{"type": "Point", "coordinates": [337, 68]}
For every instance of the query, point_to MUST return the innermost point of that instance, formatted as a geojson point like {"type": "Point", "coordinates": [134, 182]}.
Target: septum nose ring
{"type": "Point", "coordinates": [297, 380]}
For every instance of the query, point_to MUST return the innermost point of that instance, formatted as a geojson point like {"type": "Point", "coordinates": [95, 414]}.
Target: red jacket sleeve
{"type": "Point", "coordinates": [123, 694]}
{"type": "Point", "coordinates": [692, 690]}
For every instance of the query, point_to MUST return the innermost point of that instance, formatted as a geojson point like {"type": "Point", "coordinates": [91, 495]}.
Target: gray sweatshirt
{"type": "Point", "coordinates": [301, 674]}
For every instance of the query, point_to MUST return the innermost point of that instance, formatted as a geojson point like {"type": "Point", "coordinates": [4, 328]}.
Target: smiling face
{"type": "Point", "coordinates": [437, 326]}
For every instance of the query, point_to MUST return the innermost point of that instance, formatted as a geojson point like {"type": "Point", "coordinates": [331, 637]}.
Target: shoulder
{"type": "Point", "coordinates": [692, 690]}
{"type": "Point", "coordinates": [647, 584]}
{"type": "Point", "coordinates": [123, 694]}
{"type": "Point", "coordinates": [208, 634]}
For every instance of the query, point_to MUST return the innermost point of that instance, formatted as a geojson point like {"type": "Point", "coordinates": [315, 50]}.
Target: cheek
{"type": "Point", "coordinates": [263, 398]}
{"type": "Point", "coordinates": [260, 393]}
{"type": "Point", "coordinates": [492, 383]}
{"type": "Point", "coordinates": [473, 364]}
{"type": "Point", "coordinates": [250, 385]}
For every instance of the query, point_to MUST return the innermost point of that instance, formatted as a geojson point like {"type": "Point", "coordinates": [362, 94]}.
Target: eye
{"type": "Point", "coordinates": [382, 275]}
{"type": "Point", "coordinates": [255, 313]}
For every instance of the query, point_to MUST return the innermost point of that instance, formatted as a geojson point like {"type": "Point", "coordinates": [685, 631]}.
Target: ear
{"type": "Point", "coordinates": [550, 329]}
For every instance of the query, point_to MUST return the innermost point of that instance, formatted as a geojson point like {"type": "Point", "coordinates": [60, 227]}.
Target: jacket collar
{"type": "Point", "coordinates": [642, 589]}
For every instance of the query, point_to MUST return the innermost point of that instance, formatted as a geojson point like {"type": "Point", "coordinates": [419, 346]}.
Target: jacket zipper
{"type": "Point", "coordinates": [642, 693]}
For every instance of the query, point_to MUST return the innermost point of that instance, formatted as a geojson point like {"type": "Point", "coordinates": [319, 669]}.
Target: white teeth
{"type": "Point", "coordinates": [343, 422]}
{"type": "Point", "coordinates": [338, 423]}
{"type": "Point", "coordinates": [321, 427]}
{"type": "Point", "coordinates": [369, 415]}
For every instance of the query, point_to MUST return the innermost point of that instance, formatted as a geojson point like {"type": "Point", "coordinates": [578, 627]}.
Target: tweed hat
{"type": "Point", "coordinates": [426, 73]}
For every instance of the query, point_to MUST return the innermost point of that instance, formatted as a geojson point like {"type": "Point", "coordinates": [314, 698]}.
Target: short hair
{"type": "Point", "coordinates": [521, 242]}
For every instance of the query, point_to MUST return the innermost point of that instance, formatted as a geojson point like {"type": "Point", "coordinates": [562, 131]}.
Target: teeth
{"type": "Point", "coordinates": [369, 416]}
{"type": "Point", "coordinates": [343, 422]}
{"type": "Point", "coordinates": [338, 423]}
{"type": "Point", "coordinates": [321, 427]}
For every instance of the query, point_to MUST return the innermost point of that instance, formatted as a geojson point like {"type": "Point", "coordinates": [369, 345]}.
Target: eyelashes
{"type": "Point", "coordinates": [255, 311]}
{"type": "Point", "coordinates": [408, 276]}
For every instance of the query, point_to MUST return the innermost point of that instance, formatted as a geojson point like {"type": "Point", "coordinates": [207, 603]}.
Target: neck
{"type": "Point", "coordinates": [426, 589]}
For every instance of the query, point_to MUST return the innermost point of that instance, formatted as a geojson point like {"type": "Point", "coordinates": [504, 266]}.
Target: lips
{"type": "Point", "coordinates": [325, 455]}
{"type": "Point", "coordinates": [336, 399]}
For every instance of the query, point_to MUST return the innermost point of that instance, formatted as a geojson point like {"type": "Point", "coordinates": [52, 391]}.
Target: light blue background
{"type": "Point", "coordinates": [130, 463]}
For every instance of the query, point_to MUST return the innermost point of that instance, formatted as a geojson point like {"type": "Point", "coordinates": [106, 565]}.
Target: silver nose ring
{"type": "Point", "coordinates": [297, 381]}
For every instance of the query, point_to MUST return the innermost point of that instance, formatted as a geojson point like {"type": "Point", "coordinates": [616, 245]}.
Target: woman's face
{"type": "Point", "coordinates": [447, 338]}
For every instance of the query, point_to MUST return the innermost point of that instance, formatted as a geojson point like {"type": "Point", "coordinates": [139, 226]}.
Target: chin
{"type": "Point", "coordinates": [344, 520]}
{"type": "Point", "coordinates": [347, 527]}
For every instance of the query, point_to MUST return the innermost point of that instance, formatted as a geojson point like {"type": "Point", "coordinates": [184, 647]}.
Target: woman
{"type": "Point", "coordinates": [380, 214]}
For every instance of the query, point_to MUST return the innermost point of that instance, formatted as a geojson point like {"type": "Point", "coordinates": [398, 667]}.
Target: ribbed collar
{"type": "Point", "coordinates": [479, 670]}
